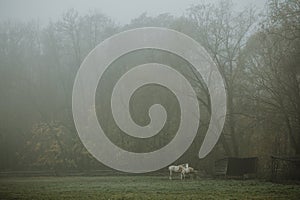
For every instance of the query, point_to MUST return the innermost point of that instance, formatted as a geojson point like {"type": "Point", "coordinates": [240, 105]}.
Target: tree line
{"type": "Point", "coordinates": [256, 53]}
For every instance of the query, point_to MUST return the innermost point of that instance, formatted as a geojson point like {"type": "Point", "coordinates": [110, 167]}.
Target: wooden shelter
{"type": "Point", "coordinates": [235, 166]}
{"type": "Point", "coordinates": [285, 168]}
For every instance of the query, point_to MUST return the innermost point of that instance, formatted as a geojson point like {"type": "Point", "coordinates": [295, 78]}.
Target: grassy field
{"type": "Point", "coordinates": [141, 187]}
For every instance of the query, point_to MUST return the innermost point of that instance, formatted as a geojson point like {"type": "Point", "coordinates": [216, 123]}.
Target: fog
{"type": "Point", "coordinates": [121, 11]}
{"type": "Point", "coordinates": [109, 88]}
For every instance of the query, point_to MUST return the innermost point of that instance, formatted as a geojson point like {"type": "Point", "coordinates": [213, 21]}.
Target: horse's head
{"type": "Point", "coordinates": [181, 168]}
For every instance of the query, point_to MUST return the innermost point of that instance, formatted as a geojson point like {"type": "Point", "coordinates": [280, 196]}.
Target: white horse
{"type": "Point", "coordinates": [179, 169]}
{"type": "Point", "coordinates": [188, 170]}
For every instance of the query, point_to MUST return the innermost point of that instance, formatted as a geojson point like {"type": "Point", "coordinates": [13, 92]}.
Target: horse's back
{"type": "Point", "coordinates": [174, 168]}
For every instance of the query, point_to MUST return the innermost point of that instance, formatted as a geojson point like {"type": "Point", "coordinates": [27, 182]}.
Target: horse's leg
{"type": "Point", "coordinates": [170, 177]}
{"type": "Point", "coordinates": [182, 174]}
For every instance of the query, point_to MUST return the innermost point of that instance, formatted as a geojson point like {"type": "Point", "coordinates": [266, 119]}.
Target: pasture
{"type": "Point", "coordinates": [141, 187]}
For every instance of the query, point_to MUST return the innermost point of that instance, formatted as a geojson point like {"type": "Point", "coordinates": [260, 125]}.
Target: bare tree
{"type": "Point", "coordinates": [223, 32]}
{"type": "Point", "coordinates": [273, 57]}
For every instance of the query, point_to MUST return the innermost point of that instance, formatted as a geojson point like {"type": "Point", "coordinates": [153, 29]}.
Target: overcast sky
{"type": "Point", "coordinates": [122, 11]}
